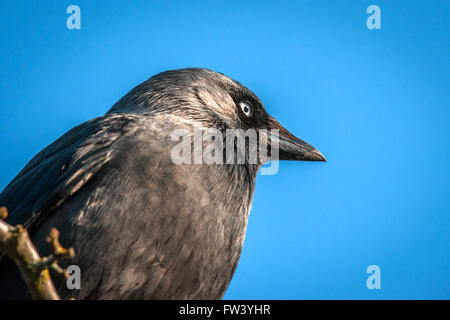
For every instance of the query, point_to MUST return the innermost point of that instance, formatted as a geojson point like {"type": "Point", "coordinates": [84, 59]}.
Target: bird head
{"type": "Point", "coordinates": [213, 99]}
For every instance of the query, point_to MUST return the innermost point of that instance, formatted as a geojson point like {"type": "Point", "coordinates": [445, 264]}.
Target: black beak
{"type": "Point", "coordinates": [293, 148]}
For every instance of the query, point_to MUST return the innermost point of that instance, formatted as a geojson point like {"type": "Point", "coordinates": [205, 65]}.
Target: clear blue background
{"type": "Point", "coordinates": [375, 102]}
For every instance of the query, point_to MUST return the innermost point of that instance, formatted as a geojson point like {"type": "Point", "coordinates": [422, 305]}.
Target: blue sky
{"type": "Point", "coordinates": [375, 102]}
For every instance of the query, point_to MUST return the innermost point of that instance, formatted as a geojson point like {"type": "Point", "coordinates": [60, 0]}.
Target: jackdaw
{"type": "Point", "coordinates": [142, 226]}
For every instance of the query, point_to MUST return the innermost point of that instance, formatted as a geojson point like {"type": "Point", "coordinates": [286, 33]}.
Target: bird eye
{"type": "Point", "coordinates": [246, 108]}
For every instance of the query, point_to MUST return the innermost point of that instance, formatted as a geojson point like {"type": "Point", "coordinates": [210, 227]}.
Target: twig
{"type": "Point", "coordinates": [16, 243]}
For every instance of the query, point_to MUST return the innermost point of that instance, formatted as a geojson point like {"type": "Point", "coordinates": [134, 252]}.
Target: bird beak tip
{"type": "Point", "coordinates": [320, 156]}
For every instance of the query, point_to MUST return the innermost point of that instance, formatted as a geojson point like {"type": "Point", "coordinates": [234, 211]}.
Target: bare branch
{"type": "Point", "coordinates": [16, 243]}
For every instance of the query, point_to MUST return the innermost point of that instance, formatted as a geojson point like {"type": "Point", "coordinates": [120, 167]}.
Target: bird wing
{"type": "Point", "coordinates": [61, 169]}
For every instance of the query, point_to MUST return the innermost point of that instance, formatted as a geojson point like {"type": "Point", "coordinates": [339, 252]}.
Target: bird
{"type": "Point", "coordinates": [142, 226]}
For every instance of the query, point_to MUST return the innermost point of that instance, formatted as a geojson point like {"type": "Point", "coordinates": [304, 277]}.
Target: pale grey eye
{"type": "Point", "coordinates": [246, 108]}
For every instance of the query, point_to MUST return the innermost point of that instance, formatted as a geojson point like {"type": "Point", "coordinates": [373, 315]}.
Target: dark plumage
{"type": "Point", "coordinates": [141, 226]}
